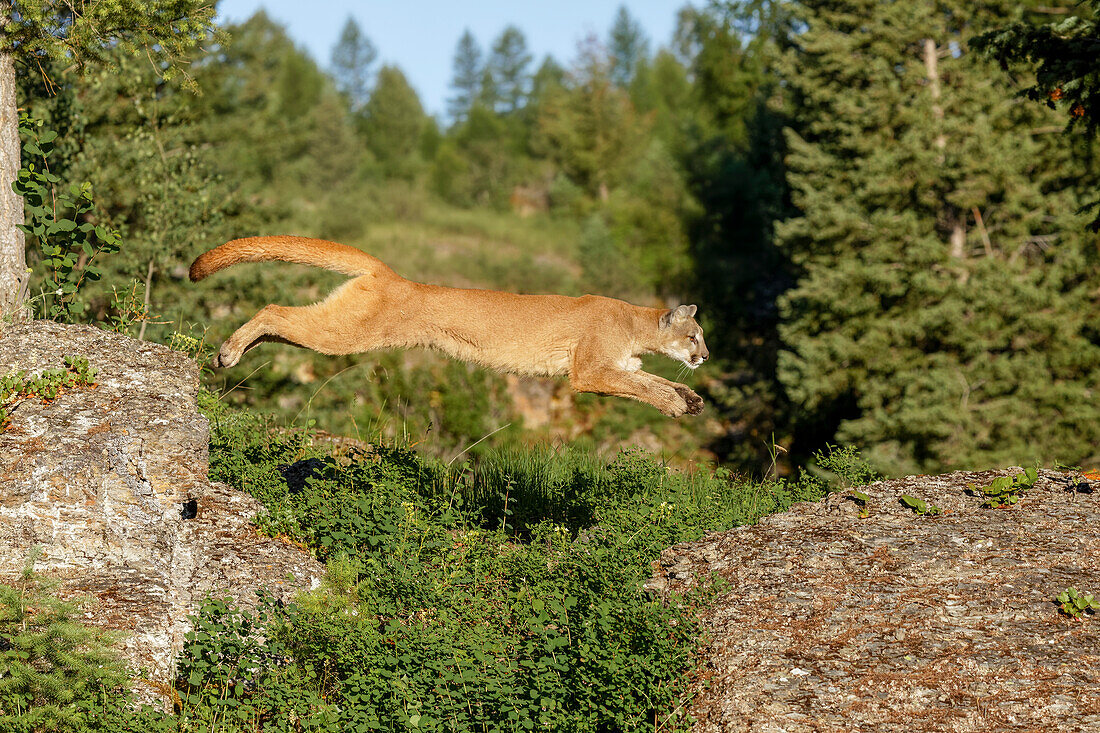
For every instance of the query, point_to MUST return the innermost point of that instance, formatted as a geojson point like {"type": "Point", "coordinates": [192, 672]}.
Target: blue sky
{"type": "Point", "coordinates": [420, 35]}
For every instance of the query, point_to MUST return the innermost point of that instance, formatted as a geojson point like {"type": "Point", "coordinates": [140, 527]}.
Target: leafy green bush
{"type": "Point", "coordinates": [502, 594]}
{"type": "Point", "coordinates": [17, 386]}
{"type": "Point", "coordinates": [847, 465]}
{"type": "Point", "coordinates": [59, 222]}
{"type": "Point", "coordinates": [497, 595]}
{"type": "Point", "coordinates": [1076, 604]}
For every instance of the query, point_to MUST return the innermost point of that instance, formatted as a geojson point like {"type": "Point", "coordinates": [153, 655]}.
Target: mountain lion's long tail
{"type": "Point", "coordinates": [302, 250]}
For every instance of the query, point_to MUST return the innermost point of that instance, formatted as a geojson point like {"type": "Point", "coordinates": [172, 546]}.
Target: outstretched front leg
{"type": "Point", "coordinates": [694, 401]}
{"type": "Point", "coordinates": [593, 372]}
{"type": "Point", "coordinates": [639, 386]}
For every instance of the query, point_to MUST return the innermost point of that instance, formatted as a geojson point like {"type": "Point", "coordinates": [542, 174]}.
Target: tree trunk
{"type": "Point", "coordinates": [931, 67]}
{"type": "Point", "coordinates": [148, 301]}
{"type": "Point", "coordinates": [13, 256]}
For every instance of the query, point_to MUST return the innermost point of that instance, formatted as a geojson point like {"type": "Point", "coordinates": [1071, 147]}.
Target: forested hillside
{"type": "Point", "coordinates": [882, 236]}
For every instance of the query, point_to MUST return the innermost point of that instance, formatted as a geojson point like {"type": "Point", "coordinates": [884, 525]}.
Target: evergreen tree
{"type": "Point", "coordinates": [549, 75]}
{"type": "Point", "coordinates": [629, 47]}
{"type": "Point", "coordinates": [728, 135]}
{"type": "Point", "coordinates": [589, 127]}
{"type": "Point", "coordinates": [275, 118]}
{"type": "Point", "coordinates": [393, 122]}
{"type": "Point", "coordinates": [488, 97]}
{"type": "Point", "coordinates": [661, 86]}
{"type": "Point", "coordinates": [1067, 53]}
{"type": "Point", "coordinates": [53, 669]}
{"type": "Point", "coordinates": [943, 317]}
{"type": "Point", "coordinates": [467, 77]}
{"type": "Point", "coordinates": [545, 83]}
{"type": "Point", "coordinates": [508, 64]}
{"type": "Point", "coordinates": [352, 60]}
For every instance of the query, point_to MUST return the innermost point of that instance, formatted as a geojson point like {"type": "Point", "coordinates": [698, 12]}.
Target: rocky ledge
{"type": "Point", "coordinates": [900, 622]}
{"type": "Point", "coordinates": [109, 482]}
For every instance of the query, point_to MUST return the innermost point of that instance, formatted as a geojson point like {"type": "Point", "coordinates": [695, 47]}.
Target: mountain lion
{"type": "Point", "coordinates": [596, 341]}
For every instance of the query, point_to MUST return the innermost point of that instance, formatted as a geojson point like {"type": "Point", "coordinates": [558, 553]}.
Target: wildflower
{"type": "Point", "coordinates": [1056, 94]}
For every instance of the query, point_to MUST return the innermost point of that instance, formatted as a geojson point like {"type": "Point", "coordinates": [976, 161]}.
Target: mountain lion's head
{"type": "Point", "coordinates": [681, 337]}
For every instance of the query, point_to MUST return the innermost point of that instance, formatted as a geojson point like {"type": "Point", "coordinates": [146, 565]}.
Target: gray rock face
{"type": "Point", "coordinates": [899, 622]}
{"type": "Point", "coordinates": [110, 482]}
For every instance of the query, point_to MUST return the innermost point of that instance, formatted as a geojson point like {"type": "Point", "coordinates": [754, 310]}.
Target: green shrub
{"type": "Point", "coordinates": [500, 594]}
{"type": "Point", "coordinates": [1006, 490]}
{"type": "Point", "coordinates": [847, 465]}
{"type": "Point", "coordinates": [17, 386]}
{"type": "Point", "coordinates": [1076, 604]}
{"type": "Point", "coordinates": [59, 222]}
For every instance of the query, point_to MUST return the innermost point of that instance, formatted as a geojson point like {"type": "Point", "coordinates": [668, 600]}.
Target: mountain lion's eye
{"type": "Point", "coordinates": [693, 340]}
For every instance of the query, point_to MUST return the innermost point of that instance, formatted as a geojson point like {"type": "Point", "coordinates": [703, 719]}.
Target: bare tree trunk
{"type": "Point", "coordinates": [931, 67]}
{"type": "Point", "coordinates": [148, 300]}
{"type": "Point", "coordinates": [13, 256]}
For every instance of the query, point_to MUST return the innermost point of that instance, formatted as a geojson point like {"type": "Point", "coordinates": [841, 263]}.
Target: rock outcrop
{"type": "Point", "coordinates": [900, 622]}
{"type": "Point", "coordinates": [110, 483]}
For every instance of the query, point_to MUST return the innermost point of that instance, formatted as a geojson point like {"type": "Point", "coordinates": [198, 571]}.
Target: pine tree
{"type": "Point", "coordinates": [467, 77]}
{"type": "Point", "coordinates": [352, 60]}
{"type": "Point", "coordinates": [628, 45]}
{"type": "Point", "coordinates": [729, 136]}
{"type": "Point", "coordinates": [943, 317]}
{"type": "Point", "coordinates": [1067, 54]}
{"type": "Point", "coordinates": [661, 86]}
{"type": "Point", "coordinates": [488, 97]}
{"type": "Point", "coordinates": [545, 83]}
{"type": "Point", "coordinates": [52, 668]}
{"type": "Point", "coordinates": [508, 64]}
{"type": "Point", "coordinates": [393, 121]}
{"type": "Point", "coordinates": [550, 75]}
{"type": "Point", "coordinates": [589, 127]}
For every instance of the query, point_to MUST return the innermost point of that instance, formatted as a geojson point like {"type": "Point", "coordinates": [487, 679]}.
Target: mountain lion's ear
{"type": "Point", "coordinates": [679, 313]}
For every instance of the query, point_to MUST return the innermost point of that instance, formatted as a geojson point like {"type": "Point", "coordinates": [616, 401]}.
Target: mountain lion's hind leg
{"type": "Point", "coordinates": [311, 327]}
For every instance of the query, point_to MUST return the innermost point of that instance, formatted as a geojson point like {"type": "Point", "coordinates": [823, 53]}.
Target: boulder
{"type": "Point", "coordinates": [895, 621]}
{"type": "Point", "coordinates": [109, 483]}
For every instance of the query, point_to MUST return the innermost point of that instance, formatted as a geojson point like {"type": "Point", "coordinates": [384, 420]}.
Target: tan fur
{"type": "Point", "coordinates": [596, 341]}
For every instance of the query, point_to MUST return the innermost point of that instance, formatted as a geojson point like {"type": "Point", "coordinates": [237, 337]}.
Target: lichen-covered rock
{"type": "Point", "coordinates": [900, 622]}
{"type": "Point", "coordinates": [110, 483]}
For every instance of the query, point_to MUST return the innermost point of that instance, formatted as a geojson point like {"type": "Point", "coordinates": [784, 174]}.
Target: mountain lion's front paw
{"type": "Point", "coordinates": [694, 401]}
{"type": "Point", "coordinates": [675, 407]}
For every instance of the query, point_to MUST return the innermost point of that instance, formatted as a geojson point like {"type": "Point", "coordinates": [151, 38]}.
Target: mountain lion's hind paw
{"type": "Point", "coordinates": [225, 357]}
